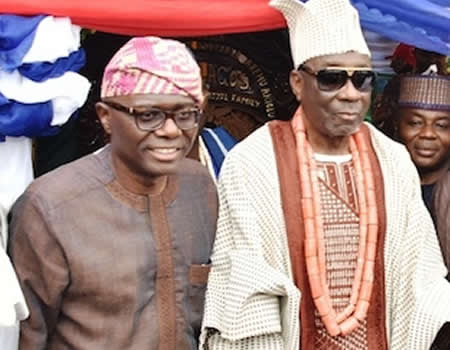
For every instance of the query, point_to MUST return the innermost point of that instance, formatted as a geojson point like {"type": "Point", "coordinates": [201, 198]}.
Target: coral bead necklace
{"type": "Point", "coordinates": [356, 311]}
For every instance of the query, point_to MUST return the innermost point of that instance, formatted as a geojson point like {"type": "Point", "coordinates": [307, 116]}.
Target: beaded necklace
{"type": "Point", "coordinates": [356, 311]}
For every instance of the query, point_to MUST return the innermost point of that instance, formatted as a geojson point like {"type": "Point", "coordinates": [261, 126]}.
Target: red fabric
{"type": "Point", "coordinates": [405, 53]}
{"type": "Point", "coordinates": [157, 17]}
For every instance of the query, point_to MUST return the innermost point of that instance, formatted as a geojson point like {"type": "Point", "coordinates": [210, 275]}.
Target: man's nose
{"type": "Point", "coordinates": [349, 92]}
{"type": "Point", "coordinates": [427, 131]}
{"type": "Point", "coordinates": [169, 129]}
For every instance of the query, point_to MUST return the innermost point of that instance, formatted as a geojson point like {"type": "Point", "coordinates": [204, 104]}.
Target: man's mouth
{"type": "Point", "coordinates": [165, 154]}
{"type": "Point", "coordinates": [350, 116]}
{"type": "Point", "coordinates": [425, 152]}
{"type": "Point", "coordinates": [166, 150]}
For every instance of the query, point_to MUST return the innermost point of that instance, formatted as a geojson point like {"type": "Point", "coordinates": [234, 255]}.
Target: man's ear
{"type": "Point", "coordinates": [296, 81]}
{"type": "Point", "coordinates": [104, 115]}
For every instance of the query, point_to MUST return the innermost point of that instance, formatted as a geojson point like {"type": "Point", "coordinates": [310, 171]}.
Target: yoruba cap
{"type": "Point", "coordinates": [152, 65]}
{"type": "Point", "coordinates": [321, 27]}
{"type": "Point", "coordinates": [425, 92]}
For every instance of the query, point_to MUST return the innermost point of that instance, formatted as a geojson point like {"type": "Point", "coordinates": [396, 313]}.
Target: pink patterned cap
{"type": "Point", "coordinates": [152, 65]}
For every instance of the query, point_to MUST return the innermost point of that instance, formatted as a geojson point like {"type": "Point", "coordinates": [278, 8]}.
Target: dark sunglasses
{"type": "Point", "coordinates": [334, 78]}
{"type": "Point", "coordinates": [150, 119]}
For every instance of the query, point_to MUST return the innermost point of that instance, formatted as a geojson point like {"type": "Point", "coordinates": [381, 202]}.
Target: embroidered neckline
{"type": "Point", "coordinates": [333, 158]}
{"type": "Point", "coordinates": [136, 201]}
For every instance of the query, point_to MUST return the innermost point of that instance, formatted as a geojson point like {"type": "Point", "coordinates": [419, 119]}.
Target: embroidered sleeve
{"type": "Point", "coordinates": [41, 267]}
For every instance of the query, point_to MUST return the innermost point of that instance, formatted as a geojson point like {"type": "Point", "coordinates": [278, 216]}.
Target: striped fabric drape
{"type": "Point", "coordinates": [421, 23]}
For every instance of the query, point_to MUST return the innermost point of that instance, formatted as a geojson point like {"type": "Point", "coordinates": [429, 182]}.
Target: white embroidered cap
{"type": "Point", "coordinates": [321, 27]}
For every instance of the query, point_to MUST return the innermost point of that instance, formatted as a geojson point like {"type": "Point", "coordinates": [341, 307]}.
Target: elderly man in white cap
{"type": "Point", "coordinates": [112, 250]}
{"type": "Point", "coordinates": [323, 240]}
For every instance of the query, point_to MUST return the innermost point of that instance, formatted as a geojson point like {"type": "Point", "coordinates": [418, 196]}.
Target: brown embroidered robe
{"type": "Point", "coordinates": [103, 268]}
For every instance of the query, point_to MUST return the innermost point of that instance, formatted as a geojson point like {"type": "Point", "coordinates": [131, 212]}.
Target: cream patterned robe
{"type": "Point", "coordinates": [251, 299]}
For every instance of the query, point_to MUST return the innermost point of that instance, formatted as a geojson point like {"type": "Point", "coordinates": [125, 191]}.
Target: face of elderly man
{"type": "Point", "coordinates": [336, 113]}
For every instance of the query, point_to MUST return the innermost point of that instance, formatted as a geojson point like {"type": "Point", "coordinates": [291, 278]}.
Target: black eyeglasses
{"type": "Point", "coordinates": [150, 119]}
{"type": "Point", "coordinates": [334, 78]}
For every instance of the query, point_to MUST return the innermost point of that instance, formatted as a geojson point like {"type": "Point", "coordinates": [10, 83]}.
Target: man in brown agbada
{"type": "Point", "coordinates": [112, 250]}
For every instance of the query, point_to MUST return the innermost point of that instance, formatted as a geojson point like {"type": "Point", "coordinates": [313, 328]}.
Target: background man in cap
{"type": "Point", "coordinates": [423, 125]}
{"type": "Point", "coordinates": [323, 240]}
{"type": "Point", "coordinates": [107, 247]}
